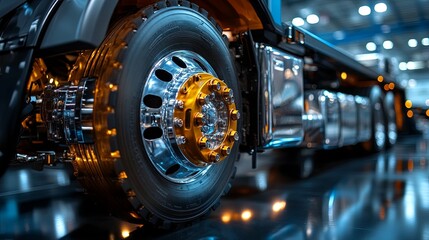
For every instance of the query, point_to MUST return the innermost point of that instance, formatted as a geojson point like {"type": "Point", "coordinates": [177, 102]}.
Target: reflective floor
{"type": "Point", "coordinates": [347, 195]}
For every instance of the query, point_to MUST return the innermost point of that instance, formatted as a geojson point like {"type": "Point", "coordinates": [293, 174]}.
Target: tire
{"type": "Point", "coordinates": [137, 166]}
{"type": "Point", "coordinates": [378, 140]}
{"type": "Point", "coordinates": [391, 129]}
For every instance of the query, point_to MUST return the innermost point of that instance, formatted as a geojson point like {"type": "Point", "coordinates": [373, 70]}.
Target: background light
{"type": "Point", "coordinates": [298, 21]}
{"type": "Point", "coordinates": [364, 10]}
{"type": "Point", "coordinates": [403, 66]}
{"type": "Point", "coordinates": [412, 43]}
{"type": "Point", "coordinates": [312, 19]}
{"type": "Point", "coordinates": [380, 7]}
{"type": "Point", "coordinates": [387, 44]}
{"type": "Point", "coordinates": [408, 104]}
{"type": "Point", "coordinates": [370, 46]}
{"type": "Point", "coordinates": [425, 41]}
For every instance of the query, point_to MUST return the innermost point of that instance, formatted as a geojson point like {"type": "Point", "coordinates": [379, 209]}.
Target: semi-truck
{"type": "Point", "coordinates": [152, 102]}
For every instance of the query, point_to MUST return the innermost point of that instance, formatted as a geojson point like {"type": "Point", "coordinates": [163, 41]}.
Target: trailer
{"type": "Point", "coordinates": [153, 102]}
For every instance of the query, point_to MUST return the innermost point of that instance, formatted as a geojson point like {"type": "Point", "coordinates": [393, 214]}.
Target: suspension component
{"type": "Point", "coordinates": [67, 112]}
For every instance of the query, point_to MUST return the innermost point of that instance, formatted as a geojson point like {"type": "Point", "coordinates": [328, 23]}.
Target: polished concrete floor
{"type": "Point", "coordinates": [343, 195]}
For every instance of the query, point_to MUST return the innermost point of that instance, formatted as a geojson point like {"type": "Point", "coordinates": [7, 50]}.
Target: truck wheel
{"type": "Point", "coordinates": [378, 121]}
{"type": "Point", "coordinates": [166, 116]}
{"type": "Point", "coordinates": [391, 130]}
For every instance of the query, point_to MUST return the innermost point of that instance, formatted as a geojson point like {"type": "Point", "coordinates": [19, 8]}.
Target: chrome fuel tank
{"type": "Point", "coordinates": [282, 98]}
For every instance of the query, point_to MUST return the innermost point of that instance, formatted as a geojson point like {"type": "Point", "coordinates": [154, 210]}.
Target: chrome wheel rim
{"type": "Point", "coordinates": [162, 120]}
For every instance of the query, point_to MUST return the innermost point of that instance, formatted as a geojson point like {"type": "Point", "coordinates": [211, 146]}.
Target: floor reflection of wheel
{"type": "Point", "coordinates": [391, 129]}
{"type": "Point", "coordinates": [166, 117]}
{"type": "Point", "coordinates": [378, 121]}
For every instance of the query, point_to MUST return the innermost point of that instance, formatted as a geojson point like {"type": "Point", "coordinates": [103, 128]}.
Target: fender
{"type": "Point", "coordinates": [78, 24]}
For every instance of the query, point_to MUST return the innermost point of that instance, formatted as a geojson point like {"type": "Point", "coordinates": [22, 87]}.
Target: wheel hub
{"type": "Point", "coordinates": [210, 119]}
{"type": "Point", "coordinates": [188, 117]}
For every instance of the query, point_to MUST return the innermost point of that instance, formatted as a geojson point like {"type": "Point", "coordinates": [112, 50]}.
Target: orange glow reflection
{"type": "Point", "coordinates": [226, 217]}
{"type": "Point", "coordinates": [410, 165]}
{"type": "Point", "coordinates": [408, 104]}
{"type": "Point", "coordinates": [382, 213]}
{"type": "Point", "coordinates": [386, 87]}
{"type": "Point", "coordinates": [125, 233]}
{"type": "Point", "coordinates": [246, 215]}
{"type": "Point", "coordinates": [279, 206]}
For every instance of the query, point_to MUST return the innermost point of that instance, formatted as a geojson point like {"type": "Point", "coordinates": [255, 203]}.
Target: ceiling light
{"type": "Point", "coordinates": [364, 10]}
{"type": "Point", "coordinates": [380, 7]}
{"type": "Point", "coordinates": [425, 41]}
{"type": "Point", "coordinates": [412, 83]}
{"type": "Point", "coordinates": [387, 44]}
{"type": "Point", "coordinates": [370, 46]}
{"type": "Point", "coordinates": [298, 21]}
{"type": "Point", "coordinates": [403, 66]}
{"type": "Point", "coordinates": [339, 35]}
{"type": "Point", "coordinates": [414, 65]}
{"type": "Point", "coordinates": [412, 43]}
{"type": "Point", "coordinates": [312, 19]}
{"type": "Point", "coordinates": [367, 56]}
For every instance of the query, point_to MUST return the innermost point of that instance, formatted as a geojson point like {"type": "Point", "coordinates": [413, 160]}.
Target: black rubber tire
{"type": "Point", "coordinates": [148, 36]}
{"type": "Point", "coordinates": [378, 140]}
{"type": "Point", "coordinates": [391, 129]}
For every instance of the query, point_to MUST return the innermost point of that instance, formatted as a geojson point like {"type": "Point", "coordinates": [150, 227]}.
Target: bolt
{"type": "Point", "coordinates": [227, 93]}
{"type": "Point", "coordinates": [197, 78]}
{"type": "Point", "coordinates": [225, 150]}
{"type": "Point", "coordinates": [214, 85]}
{"type": "Point", "coordinates": [180, 140]}
{"type": "Point", "coordinates": [235, 115]}
{"type": "Point", "coordinates": [214, 157]}
{"type": "Point", "coordinates": [202, 98]}
{"type": "Point", "coordinates": [199, 119]}
{"type": "Point", "coordinates": [179, 104]}
{"type": "Point", "coordinates": [178, 122]}
{"type": "Point", "coordinates": [233, 136]}
{"type": "Point", "coordinates": [203, 142]}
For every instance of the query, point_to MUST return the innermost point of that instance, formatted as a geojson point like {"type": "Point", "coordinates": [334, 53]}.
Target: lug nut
{"type": "Point", "coordinates": [199, 119]}
{"type": "Point", "coordinates": [235, 115]}
{"type": "Point", "coordinates": [203, 142]}
{"type": "Point", "coordinates": [214, 157]}
{"type": "Point", "coordinates": [197, 78]}
{"type": "Point", "coordinates": [202, 98]}
{"type": "Point", "coordinates": [179, 104]}
{"type": "Point", "coordinates": [227, 93]}
{"type": "Point", "coordinates": [225, 150]}
{"type": "Point", "coordinates": [180, 140]}
{"type": "Point", "coordinates": [233, 136]}
{"type": "Point", "coordinates": [184, 90]}
{"type": "Point", "coordinates": [214, 85]}
{"type": "Point", "coordinates": [178, 122]}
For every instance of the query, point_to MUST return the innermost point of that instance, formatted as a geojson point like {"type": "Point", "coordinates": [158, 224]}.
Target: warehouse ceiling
{"type": "Point", "coordinates": [367, 29]}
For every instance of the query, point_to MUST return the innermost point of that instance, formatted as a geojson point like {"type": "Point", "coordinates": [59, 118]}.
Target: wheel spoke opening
{"type": "Point", "coordinates": [163, 75]}
{"type": "Point", "coordinates": [152, 101]}
{"type": "Point", "coordinates": [152, 133]}
{"type": "Point", "coordinates": [179, 62]}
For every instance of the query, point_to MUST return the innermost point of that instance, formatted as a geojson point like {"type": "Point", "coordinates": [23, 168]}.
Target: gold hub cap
{"type": "Point", "coordinates": [205, 120]}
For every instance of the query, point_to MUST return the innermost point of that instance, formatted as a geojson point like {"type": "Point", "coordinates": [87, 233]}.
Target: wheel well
{"type": "Point", "coordinates": [232, 15]}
